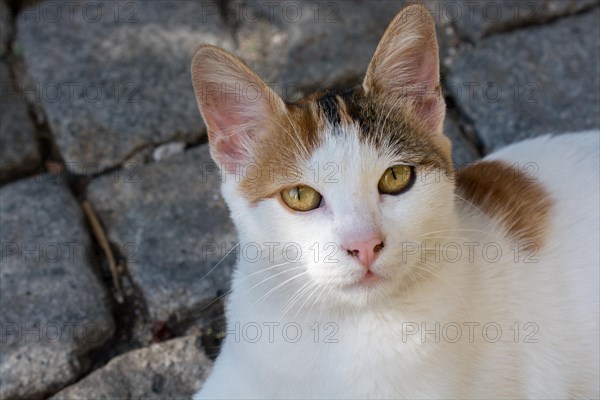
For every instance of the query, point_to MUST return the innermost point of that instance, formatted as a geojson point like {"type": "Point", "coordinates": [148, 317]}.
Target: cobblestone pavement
{"type": "Point", "coordinates": [111, 218]}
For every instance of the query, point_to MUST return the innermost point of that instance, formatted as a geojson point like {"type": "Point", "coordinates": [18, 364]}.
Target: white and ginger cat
{"type": "Point", "coordinates": [382, 272]}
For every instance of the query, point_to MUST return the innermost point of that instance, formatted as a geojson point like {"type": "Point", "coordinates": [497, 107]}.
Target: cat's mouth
{"type": "Point", "coordinates": [368, 279]}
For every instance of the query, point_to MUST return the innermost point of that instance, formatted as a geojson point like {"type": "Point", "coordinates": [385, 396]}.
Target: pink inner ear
{"type": "Point", "coordinates": [428, 71]}
{"type": "Point", "coordinates": [420, 78]}
{"type": "Point", "coordinates": [230, 153]}
{"type": "Point", "coordinates": [423, 86]}
{"type": "Point", "coordinates": [432, 111]}
{"type": "Point", "coordinates": [235, 104]}
{"type": "Point", "coordinates": [226, 128]}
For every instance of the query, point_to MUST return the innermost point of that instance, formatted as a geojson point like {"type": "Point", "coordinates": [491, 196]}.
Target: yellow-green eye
{"type": "Point", "coordinates": [395, 179]}
{"type": "Point", "coordinates": [301, 198]}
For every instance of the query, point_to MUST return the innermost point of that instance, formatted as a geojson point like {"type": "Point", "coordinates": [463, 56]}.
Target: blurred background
{"type": "Point", "coordinates": [116, 247]}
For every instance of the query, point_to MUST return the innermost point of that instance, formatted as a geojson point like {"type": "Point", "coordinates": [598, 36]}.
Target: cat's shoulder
{"type": "Point", "coordinates": [522, 184]}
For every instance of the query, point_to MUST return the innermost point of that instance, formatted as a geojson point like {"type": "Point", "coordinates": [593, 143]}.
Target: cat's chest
{"type": "Point", "coordinates": [355, 357]}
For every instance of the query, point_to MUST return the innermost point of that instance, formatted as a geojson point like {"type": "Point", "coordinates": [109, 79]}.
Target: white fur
{"type": "Point", "coordinates": [375, 355]}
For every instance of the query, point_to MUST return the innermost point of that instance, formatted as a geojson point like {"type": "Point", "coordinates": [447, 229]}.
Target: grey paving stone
{"type": "Point", "coordinates": [299, 46]}
{"type": "Point", "coordinates": [5, 27]}
{"type": "Point", "coordinates": [53, 309]}
{"type": "Point", "coordinates": [114, 76]}
{"type": "Point", "coordinates": [19, 153]}
{"type": "Point", "coordinates": [531, 81]}
{"type": "Point", "coordinates": [170, 370]}
{"type": "Point", "coordinates": [463, 151]}
{"type": "Point", "coordinates": [307, 45]}
{"type": "Point", "coordinates": [169, 220]}
{"type": "Point", "coordinates": [328, 43]}
{"type": "Point", "coordinates": [476, 19]}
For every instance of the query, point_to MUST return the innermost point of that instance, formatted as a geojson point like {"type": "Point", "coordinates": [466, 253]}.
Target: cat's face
{"type": "Point", "coordinates": [340, 186]}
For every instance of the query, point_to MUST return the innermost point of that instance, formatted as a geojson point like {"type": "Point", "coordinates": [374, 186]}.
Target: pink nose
{"type": "Point", "coordinates": [365, 250]}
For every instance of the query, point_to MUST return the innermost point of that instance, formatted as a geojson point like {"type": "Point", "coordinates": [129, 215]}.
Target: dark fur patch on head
{"type": "Point", "coordinates": [395, 127]}
{"type": "Point", "coordinates": [336, 106]}
{"type": "Point", "coordinates": [329, 106]}
{"type": "Point", "coordinates": [398, 128]}
{"type": "Point", "coordinates": [384, 126]}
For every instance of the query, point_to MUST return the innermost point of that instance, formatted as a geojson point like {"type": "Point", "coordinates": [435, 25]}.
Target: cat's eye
{"type": "Point", "coordinates": [301, 198]}
{"type": "Point", "coordinates": [396, 179]}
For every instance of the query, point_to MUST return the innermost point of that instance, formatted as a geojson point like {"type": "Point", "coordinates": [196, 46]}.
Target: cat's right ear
{"type": "Point", "coordinates": [234, 102]}
{"type": "Point", "coordinates": [405, 66]}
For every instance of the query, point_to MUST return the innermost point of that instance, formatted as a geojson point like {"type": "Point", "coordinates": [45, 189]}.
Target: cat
{"type": "Point", "coordinates": [377, 270]}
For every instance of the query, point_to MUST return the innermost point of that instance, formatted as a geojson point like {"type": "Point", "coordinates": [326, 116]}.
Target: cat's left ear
{"type": "Point", "coordinates": [405, 66]}
{"type": "Point", "coordinates": [235, 103]}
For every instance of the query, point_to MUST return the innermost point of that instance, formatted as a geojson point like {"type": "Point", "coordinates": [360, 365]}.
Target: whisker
{"type": "Point", "coordinates": [273, 290]}
{"type": "Point", "coordinates": [273, 276]}
{"type": "Point", "coordinates": [317, 286]}
{"type": "Point", "coordinates": [299, 293]}
{"type": "Point", "coordinates": [237, 284]}
{"type": "Point", "coordinates": [323, 303]}
{"type": "Point", "coordinates": [219, 263]}
{"type": "Point", "coordinates": [325, 286]}
{"type": "Point", "coordinates": [262, 270]}
{"type": "Point", "coordinates": [456, 229]}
